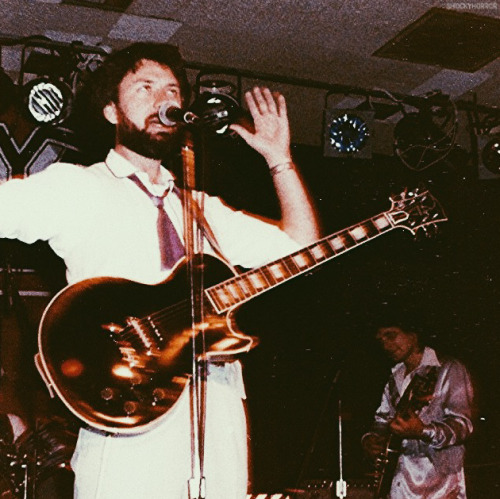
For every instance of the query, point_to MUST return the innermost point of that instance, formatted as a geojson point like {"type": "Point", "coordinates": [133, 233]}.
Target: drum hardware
{"type": "Point", "coordinates": [35, 458]}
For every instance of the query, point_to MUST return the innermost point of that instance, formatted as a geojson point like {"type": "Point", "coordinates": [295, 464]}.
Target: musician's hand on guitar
{"type": "Point", "coordinates": [373, 445]}
{"type": "Point", "coordinates": [409, 427]}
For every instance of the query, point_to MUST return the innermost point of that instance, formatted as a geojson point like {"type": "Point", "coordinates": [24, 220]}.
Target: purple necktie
{"type": "Point", "coordinates": [171, 247]}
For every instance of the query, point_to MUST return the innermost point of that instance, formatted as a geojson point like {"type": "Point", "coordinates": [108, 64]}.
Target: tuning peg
{"type": "Point", "coordinates": [427, 231]}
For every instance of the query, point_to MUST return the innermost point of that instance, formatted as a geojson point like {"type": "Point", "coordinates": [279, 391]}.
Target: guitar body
{"type": "Point", "coordinates": [119, 353]}
{"type": "Point", "coordinates": [417, 395]}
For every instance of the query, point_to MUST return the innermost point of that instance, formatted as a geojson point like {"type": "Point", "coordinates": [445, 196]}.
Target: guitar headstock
{"type": "Point", "coordinates": [416, 209]}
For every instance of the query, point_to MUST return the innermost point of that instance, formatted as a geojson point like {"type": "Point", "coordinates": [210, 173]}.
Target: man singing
{"type": "Point", "coordinates": [102, 222]}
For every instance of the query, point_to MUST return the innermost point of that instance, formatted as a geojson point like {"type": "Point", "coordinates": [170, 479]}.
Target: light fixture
{"type": "Point", "coordinates": [491, 155]}
{"type": "Point", "coordinates": [50, 74]}
{"type": "Point", "coordinates": [48, 100]}
{"type": "Point", "coordinates": [425, 137]}
{"type": "Point", "coordinates": [217, 106]}
{"type": "Point", "coordinates": [488, 147]}
{"type": "Point", "coordinates": [347, 133]}
{"type": "Point", "coordinates": [216, 112]}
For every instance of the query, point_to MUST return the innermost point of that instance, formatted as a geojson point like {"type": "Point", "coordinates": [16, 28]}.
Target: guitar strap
{"type": "Point", "coordinates": [205, 227]}
{"type": "Point", "coordinates": [423, 383]}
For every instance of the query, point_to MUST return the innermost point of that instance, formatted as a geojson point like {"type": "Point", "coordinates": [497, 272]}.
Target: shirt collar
{"type": "Point", "coordinates": [121, 167]}
{"type": "Point", "coordinates": [429, 358]}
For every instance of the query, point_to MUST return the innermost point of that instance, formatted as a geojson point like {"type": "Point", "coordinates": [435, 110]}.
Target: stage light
{"type": "Point", "coordinates": [426, 137]}
{"type": "Point", "coordinates": [347, 133]}
{"type": "Point", "coordinates": [216, 111]}
{"type": "Point", "coordinates": [48, 100]}
{"type": "Point", "coordinates": [217, 107]}
{"type": "Point", "coordinates": [488, 147]}
{"type": "Point", "coordinates": [491, 155]}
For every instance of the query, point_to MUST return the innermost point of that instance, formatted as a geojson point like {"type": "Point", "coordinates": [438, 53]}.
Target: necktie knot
{"type": "Point", "coordinates": [158, 201]}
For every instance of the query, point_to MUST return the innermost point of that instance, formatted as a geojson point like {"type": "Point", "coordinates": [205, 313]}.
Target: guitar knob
{"type": "Point", "coordinates": [108, 394]}
{"type": "Point", "coordinates": [130, 407]}
{"type": "Point", "coordinates": [159, 394]}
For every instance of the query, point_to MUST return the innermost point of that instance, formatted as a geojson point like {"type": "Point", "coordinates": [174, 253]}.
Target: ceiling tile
{"type": "Point", "coordinates": [142, 29]}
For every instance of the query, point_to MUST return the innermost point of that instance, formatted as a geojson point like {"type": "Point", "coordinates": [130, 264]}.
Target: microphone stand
{"type": "Point", "coordinates": [341, 485]}
{"type": "Point", "coordinates": [194, 257]}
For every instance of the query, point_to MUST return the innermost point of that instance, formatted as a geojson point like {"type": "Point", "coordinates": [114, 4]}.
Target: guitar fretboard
{"type": "Point", "coordinates": [248, 285]}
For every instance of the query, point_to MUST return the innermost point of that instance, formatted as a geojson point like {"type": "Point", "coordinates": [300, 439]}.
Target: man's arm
{"type": "Point", "coordinates": [373, 442]}
{"type": "Point", "coordinates": [455, 425]}
{"type": "Point", "coordinates": [272, 140]}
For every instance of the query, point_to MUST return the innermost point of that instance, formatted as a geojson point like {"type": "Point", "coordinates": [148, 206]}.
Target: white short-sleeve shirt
{"type": "Point", "coordinates": [102, 224]}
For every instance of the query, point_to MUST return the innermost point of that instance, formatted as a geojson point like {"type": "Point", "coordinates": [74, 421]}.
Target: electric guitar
{"type": "Point", "coordinates": [119, 353]}
{"type": "Point", "coordinates": [417, 395]}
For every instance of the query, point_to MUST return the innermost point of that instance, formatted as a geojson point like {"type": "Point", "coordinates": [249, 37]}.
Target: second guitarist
{"type": "Point", "coordinates": [422, 422]}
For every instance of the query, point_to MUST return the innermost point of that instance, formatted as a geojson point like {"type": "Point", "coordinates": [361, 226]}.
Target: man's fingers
{"type": "Point", "coordinates": [270, 102]}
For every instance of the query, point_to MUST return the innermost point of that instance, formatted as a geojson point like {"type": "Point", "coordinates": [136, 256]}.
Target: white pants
{"type": "Point", "coordinates": [157, 464]}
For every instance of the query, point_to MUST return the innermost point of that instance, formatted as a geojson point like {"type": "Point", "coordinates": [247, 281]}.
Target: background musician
{"type": "Point", "coordinates": [433, 427]}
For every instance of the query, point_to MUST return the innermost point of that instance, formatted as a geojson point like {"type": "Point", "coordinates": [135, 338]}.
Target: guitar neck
{"type": "Point", "coordinates": [248, 285]}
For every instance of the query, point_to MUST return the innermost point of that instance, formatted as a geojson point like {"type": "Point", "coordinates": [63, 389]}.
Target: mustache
{"type": "Point", "coordinates": [154, 119]}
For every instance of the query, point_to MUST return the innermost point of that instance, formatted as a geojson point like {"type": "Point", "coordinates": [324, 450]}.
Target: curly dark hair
{"type": "Point", "coordinates": [101, 87]}
{"type": "Point", "coordinates": [107, 78]}
{"type": "Point", "coordinates": [408, 318]}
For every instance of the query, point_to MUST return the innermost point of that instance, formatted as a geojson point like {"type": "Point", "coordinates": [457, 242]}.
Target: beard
{"type": "Point", "coordinates": [159, 145]}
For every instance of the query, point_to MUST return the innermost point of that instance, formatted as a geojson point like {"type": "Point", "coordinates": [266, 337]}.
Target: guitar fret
{"type": "Point", "coordinates": [268, 275]}
{"type": "Point", "coordinates": [279, 270]}
{"type": "Point", "coordinates": [337, 243]}
{"type": "Point", "coordinates": [358, 233]}
{"type": "Point", "coordinates": [212, 292]}
{"type": "Point", "coordinates": [256, 280]}
{"type": "Point", "coordinates": [235, 291]}
{"type": "Point", "coordinates": [349, 241]}
{"type": "Point", "coordinates": [309, 257]}
{"type": "Point", "coordinates": [285, 262]}
{"type": "Point", "coordinates": [381, 222]}
{"type": "Point", "coordinates": [246, 287]}
{"type": "Point", "coordinates": [303, 260]}
{"type": "Point", "coordinates": [318, 252]}
{"type": "Point", "coordinates": [223, 296]}
{"type": "Point", "coordinates": [291, 265]}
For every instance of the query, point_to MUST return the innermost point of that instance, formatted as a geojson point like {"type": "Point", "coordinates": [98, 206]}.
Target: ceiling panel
{"type": "Point", "coordinates": [324, 41]}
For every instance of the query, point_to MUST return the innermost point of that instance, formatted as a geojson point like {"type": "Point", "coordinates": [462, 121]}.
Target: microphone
{"type": "Point", "coordinates": [170, 115]}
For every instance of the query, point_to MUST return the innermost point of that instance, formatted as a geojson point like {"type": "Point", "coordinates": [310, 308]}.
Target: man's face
{"type": "Point", "coordinates": [140, 95]}
{"type": "Point", "coordinates": [398, 344]}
